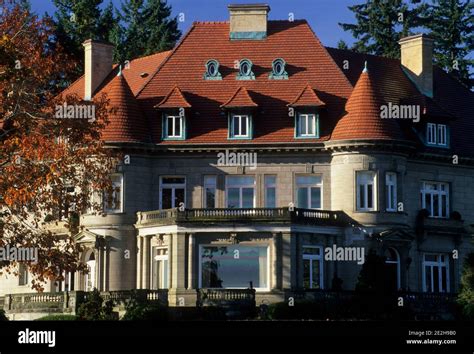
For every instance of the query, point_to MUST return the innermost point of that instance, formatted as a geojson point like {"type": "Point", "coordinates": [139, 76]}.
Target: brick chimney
{"type": "Point", "coordinates": [248, 21]}
{"type": "Point", "coordinates": [417, 61]}
{"type": "Point", "coordinates": [98, 62]}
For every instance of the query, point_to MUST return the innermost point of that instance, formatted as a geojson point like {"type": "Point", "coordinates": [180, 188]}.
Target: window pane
{"type": "Point", "coordinates": [270, 180]}
{"type": "Point", "coordinates": [316, 198]}
{"type": "Point", "coordinates": [444, 206]}
{"type": "Point", "coordinates": [302, 198]}
{"type": "Point", "coordinates": [243, 125]}
{"type": "Point", "coordinates": [308, 179]}
{"type": "Point", "coordinates": [431, 258]}
{"type": "Point", "coordinates": [312, 250]}
{"type": "Point", "coordinates": [362, 204]}
{"type": "Point", "coordinates": [210, 198]}
{"type": "Point", "coordinates": [240, 180]}
{"type": "Point", "coordinates": [370, 196]}
{"type": "Point", "coordinates": [178, 197]}
{"type": "Point", "coordinates": [436, 204]}
{"type": "Point", "coordinates": [436, 279]}
{"type": "Point", "coordinates": [310, 119]}
{"type": "Point", "coordinates": [316, 274]}
{"type": "Point", "coordinates": [166, 198]}
{"type": "Point", "coordinates": [234, 266]}
{"type": "Point", "coordinates": [444, 282]}
{"type": "Point", "coordinates": [233, 196]}
{"type": "Point", "coordinates": [306, 273]}
{"type": "Point", "coordinates": [270, 197]}
{"type": "Point", "coordinates": [247, 198]}
{"type": "Point", "coordinates": [177, 126]}
{"type": "Point", "coordinates": [209, 180]}
{"type": "Point", "coordinates": [428, 284]}
{"type": "Point", "coordinates": [172, 180]}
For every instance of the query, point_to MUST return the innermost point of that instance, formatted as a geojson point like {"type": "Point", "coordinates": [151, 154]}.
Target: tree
{"type": "Point", "coordinates": [94, 309]}
{"type": "Point", "coordinates": [145, 28]}
{"type": "Point", "coordinates": [466, 295]}
{"type": "Point", "coordinates": [78, 20]}
{"type": "Point", "coordinates": [342, 45]}
{"type": "Point", "coordinates": [451, 25]}
{"type": "Point", "coordinates": [46, 161]}
{"type": "Point", "coordinates": [381, 23]}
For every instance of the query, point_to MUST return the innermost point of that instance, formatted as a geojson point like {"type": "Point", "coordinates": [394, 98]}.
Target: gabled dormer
{"type": "Point", "coordinates": [174, 110]}
{"type": "Point", "coordinates": [240, 109]}
{"type": "Point", "coordinates": [305, 108]}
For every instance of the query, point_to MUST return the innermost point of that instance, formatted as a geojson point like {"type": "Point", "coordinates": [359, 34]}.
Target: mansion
{"type": "Point", "coordinates": [316, 166]}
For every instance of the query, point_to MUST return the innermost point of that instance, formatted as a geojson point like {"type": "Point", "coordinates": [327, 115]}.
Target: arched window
{"type": "Point", "coordinates": [392, 266]}
{"type": "Point", "coordinates": [245, 70]}
{"type": "Point", "coordinates": [279, 70]}
{"type": "Point", "coordinates": [212, 70]}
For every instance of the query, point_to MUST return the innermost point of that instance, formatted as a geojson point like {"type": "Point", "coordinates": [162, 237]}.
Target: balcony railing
{"type": "Point", "coordinates": [283, 215]}
{"type": "Point", "coordinates": [226, 297]}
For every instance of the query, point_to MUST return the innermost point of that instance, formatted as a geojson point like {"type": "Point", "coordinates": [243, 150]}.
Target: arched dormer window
{"type": "Point", "coordinates": [279, 70]}
{"type": "Point", "coordinates": [245, 70]}
{"type": "Point", "coordinates": [212, 70]}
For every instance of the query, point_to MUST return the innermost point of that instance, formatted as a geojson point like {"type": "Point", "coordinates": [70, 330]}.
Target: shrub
{"type": "Point", "coordinates": [94, 310]}
{"type": "Point", "coordinates": [466, 295]}
{"type": "Point", "coordinates": [57, 318]}
{"type": "Point", "coordinates": [137, 311]}
{"type": "Point", "coordinates": [3, 316]}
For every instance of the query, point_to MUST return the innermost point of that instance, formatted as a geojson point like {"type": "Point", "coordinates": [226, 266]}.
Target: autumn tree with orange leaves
{"type": "Point", "coordinates": [48, 165]}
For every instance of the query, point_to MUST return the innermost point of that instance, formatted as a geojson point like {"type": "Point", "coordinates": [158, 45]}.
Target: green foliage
{"type": "Point", "coordinates": [381, 23]}
{"type": "Point", "coordinates": [57, 318]}
{"type": "Point", "coordinates": [93, 308]}
{"type": "Point", "coordinates": [137, 311]}
{"type": "Point", "coordinates": [372, 275]}
{"type": "Point", "coordinates": [3, 316]}
{"type": "Point", "coordinates": [145, 28]}
{"type": "Point", "coordinates": [451, 24]}
{"type": "Point", "coordinates": [78, 20]}
{"type": "Point", "coordinates": [466, 295]}
{"type": "Point", "coordinates": [342, 45]}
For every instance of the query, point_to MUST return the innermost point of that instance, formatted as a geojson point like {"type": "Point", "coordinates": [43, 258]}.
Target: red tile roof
{"type": "Point", "coordinates": [307, 98]}
{"type": "Point", "coordinates": [174, 99]}
{"type": "Point", "coordinates": [363, 120]}
{"type": "Point", "coordinates": [127, 123]}
{"type": "Point", "coordinates": [240, 99]}
{"type": "Point", "coordinates": [307, 60]}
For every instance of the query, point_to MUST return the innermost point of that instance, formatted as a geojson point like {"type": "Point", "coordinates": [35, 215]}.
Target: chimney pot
{"type": "Point", "coordinates": [98, 60]}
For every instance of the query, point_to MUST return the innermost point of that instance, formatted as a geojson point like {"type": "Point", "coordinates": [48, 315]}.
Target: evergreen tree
{"type": "Point", "coordinates": [342, 45]}
{"type": "Point", "coordinates": [466, 295]}
{"type": "Point", "coordinates": [78, 20]}
{"type": "Point", "coordinates": [381, 23]}
{"type": "Point", "coordinates": [451, 23]}
{"type": "Point", "coordinates": [145, 28]}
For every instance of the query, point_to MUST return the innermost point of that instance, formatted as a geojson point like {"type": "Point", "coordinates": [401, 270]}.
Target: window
{"type": "Point", "coordinates": [159, 275]}
{"type": "Point", "coordinates": [22, 274]}
{"type": "Point", "coordinates": [435, 199]}
{"type": "Point", "coordinates": [366, 191]}
{"type": "Point", "coordinates": [392, 270]}
{"type": "Point", "coordinates": [435, 273]}
{"type": "Point", "coordinates": [172, 192]}
{"type": "Point", "coordinates": [391, 189]}
{"type": "Point", "coordinates": [436, 134]}
{"type": "Point", "coordinates": [245, 70]}
{"type": "Point", "coordinates": [113, 202]}
{"type": "Point", "coordinates": [307, 126]}
{"type": "Point", "coordinates": [240, 126]}
{"type": "Point", "coordinates": [270, 191]}
{"type": "Point", "coordinates": [209, 192]}
{"type": "Point", "coordinates": [173, 127]}
{"type": "Point", "coordinates": [240, 191]}
{"type": "Point", "coordinates": [278, 70]}
{"type": "Point", "coordinates": [308, 192]}
{"type": "Point", "coordinates": [212, 70]}
{"type": "Point", "coordinates": [313, 267]}
{"type": "Point", "coordinates": [234, 266]}
{"type": "Point", "coordinates": [67, 205]}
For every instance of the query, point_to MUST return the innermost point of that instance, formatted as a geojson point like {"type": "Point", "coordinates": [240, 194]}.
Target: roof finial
{"type": "Point", "coordinates": [120, 70]}
{"type": "Point", "coordinates": [365, 67]}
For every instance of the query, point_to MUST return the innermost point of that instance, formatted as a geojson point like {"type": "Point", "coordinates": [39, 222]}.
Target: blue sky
{"type": "Point", "coordinates": [322, 15]}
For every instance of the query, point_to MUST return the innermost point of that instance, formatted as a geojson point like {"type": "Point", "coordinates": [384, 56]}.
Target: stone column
{"type": "Point", "coordinates": [98, 268]}
{"type": "Point", "coordinates": [139, 261]}
{"type": "Point", "coordinates": [146, 262]}
{"type": "Point", "coordinates": [191, 261]}
{"type": "Point", "coordinates": [287, 259]}
{"type": "Point", "coordinates": [178, 295]}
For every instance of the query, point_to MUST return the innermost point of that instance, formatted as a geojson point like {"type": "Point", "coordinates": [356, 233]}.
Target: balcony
{"type": "Point", "coordinates": [254, 215]}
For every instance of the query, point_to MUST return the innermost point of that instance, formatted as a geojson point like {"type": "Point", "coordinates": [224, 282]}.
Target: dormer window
{"type": "Point", "coordinates": [245, 70]}
{"type": "Point", "coordinates": [240, 126]}
{"type": "Point", "coordinates": [307, 125]}
{"type": "Point", "coordinates": [212, 70]}
{"type": "Point", "coordinates": [437, 135]}
{"type": "Point", "coordinates": [278, 70]}
{"type": "Point", "coordinates": [173, 126]}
